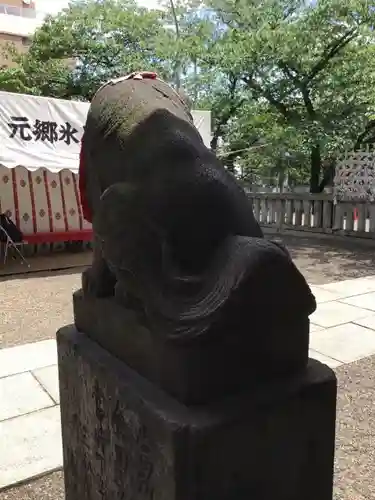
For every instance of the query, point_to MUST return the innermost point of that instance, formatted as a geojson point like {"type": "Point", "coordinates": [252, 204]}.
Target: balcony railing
{"type": "Point", "coordinates": [11, 10]}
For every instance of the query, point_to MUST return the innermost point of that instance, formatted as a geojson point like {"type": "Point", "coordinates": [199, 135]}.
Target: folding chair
{"type": "Point", "coordinates": [11, 237]}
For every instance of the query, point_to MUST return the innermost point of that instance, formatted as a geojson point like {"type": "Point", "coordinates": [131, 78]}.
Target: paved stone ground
{"type": "Point", "coordinates": [343, 331]}
{"type": "Point", "coordinates": [355, 461]}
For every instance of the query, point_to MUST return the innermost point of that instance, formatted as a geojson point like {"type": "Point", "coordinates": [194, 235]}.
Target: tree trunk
{"type": "Point", "coordinates": [177, 66]}
{"type": "Point", "coordinates": [315, 168]}
{"type": "Point", "coordinates": [229, 163]}
{"type": "Point", "coordinates": [328, 176]}
{"type": "Point", "coordinates": [214, 141]}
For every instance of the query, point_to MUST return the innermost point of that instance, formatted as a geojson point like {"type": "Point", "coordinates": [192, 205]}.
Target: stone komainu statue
{"type": "Point", "coordinates": [175, 235]}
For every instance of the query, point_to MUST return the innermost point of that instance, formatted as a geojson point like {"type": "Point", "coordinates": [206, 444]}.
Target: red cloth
{"type": "Point", "coordinates": [87, 214]}
{"type": "Point", "coordinates": [149, 74]}
{"type": "Point", "coordinates": [144, 74]}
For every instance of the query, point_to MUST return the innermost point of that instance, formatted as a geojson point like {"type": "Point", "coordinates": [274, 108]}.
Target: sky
{"type": "Point", "coordinates": [54, 6]}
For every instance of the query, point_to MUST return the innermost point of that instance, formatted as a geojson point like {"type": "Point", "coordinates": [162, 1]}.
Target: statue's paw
{"type": "Point", "coordinates": [95, 285]}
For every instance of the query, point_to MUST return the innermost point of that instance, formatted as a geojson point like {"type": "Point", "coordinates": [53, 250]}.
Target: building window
{"type": "Point", "coordinates": [28, 10]}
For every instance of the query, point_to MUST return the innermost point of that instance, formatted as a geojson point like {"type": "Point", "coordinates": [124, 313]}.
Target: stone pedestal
{"type": "Point", "coordinates": [125, 438]}
{"type": "Point", "coordinates": [231, 358]}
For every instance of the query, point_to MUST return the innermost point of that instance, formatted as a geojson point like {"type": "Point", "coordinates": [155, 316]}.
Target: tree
{"type": "Point", "coordinates": [310, 64]}
{"type": "Point", "coordinates": [193, 47]}
{"type": "Point", "coordinates": [74, 53]}
{"type": "Point", "coordinates": [89, 43]}
{"type": "Point", "coordinates": [289, 82]}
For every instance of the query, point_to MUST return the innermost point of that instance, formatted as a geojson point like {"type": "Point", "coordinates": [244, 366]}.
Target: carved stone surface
{"type": "Point", "coordinates": [124, 438]}
{"type": "Point", "coordinates": [195, 384]}
{"type": "Point", "coordinates": [176, 241]}
{"type": "Point", "coordinates": [245, 355]}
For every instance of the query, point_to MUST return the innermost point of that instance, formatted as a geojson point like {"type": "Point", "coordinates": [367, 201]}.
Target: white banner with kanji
{"type": "Point", "coordinates": [42, 132]}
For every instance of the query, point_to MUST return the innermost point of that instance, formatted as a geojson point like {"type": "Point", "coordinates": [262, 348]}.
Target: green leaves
{"type": "Point", "coordinates": [93, 41]}
{"type": "Point", "coordinates": [283, 78]}
{"type": "Point", "coordinates": [308, 68]}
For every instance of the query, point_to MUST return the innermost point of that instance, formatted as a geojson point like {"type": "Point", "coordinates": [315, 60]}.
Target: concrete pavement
{"type": "Point", "coordinates": [342, 332]}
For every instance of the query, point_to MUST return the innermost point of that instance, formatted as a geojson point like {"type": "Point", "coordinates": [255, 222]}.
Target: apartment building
{"type": "Point", "coordinates": [18, 21]}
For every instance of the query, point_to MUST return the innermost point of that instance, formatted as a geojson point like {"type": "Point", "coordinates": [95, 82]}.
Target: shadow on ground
{"type": "Point", "coordinates": [43, 274]}
{"type": "Point", "coordinates": [52, 264]}
{"type": "Point", "coordinates": [320, 260]}
{"type": "Point", "coordinates": [324, 261]}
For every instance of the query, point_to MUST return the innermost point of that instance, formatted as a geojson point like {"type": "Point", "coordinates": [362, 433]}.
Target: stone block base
{"type": "Point", "coordinates": [204, 369]}
{"type": "Point", "coordinates": [124, 438]}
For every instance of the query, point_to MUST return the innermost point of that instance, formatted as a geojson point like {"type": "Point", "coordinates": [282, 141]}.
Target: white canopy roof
{"type": "Point", "coordinates": [44, 132]}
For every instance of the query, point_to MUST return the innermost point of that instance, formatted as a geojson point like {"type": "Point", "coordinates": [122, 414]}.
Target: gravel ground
{"type": "Point", "coordinates": [355, 455]}
{"type": "Point", "coordinates": [355, 460]}
{"type": "Point", "coordinates": [324, 261]}
{"type": "Point", "coordinates": [33, 307]}
{"type": "Point", "coordinates": [49, 487]}
{"type": "Point", "coordinates": [36, 304]}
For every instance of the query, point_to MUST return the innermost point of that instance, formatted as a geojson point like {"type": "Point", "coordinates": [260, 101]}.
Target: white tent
{"type": "Point", "coordinates": [40, 132]}
{"type": "Point", "coordinates": [39, 157]}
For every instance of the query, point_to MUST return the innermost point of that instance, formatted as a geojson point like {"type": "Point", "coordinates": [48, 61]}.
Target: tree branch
{"type": "Point", "coordinates": [289, 12]}
{"type": "Point", "coordinates": [308, 103]}
{"type": "Point", "coordinates": [300, 85]}
{"type": "Point", "coordinates": [177, 64]}
{"type": "Point", "coordinates": [280, 106]}
{"type": "Point", "coordinates": [228, 115]}
{"type": "Point", "coordinates": [361, 138]}
{"type": "Point", "coordinates": [329, 53]}
{"type": "Point", "coordinates": [288, 70]}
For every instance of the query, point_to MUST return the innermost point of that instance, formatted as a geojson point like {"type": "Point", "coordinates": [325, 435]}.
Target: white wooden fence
{"type": "Point", "coordinates": [314, 213]}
